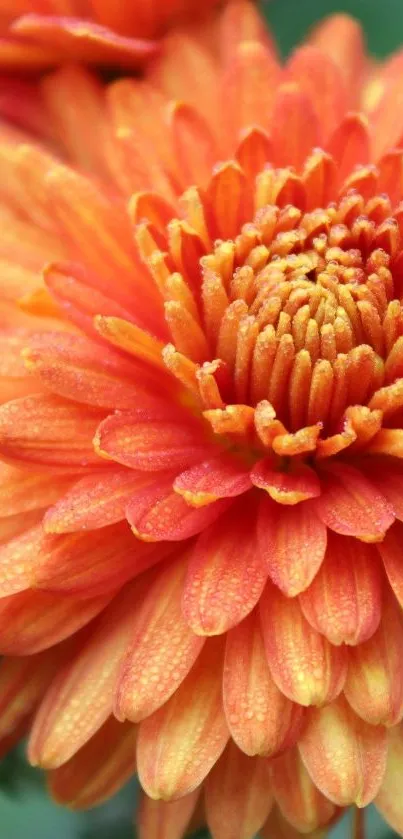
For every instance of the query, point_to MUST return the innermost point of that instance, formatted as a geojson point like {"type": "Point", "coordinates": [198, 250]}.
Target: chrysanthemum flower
{"type": "Point", "coordinates": [41, 33]}
{"type": "Point", "coordinates": [202, 433]}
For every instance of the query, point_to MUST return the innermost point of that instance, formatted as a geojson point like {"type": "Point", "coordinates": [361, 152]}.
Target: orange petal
{"type": "Point", "coordinates": [226, 573]}
{"type": "Point", "coordinates": [127, 336]}
{"type": "Point", "coordinates": [22, 682]}
{"type": "Point", "coordinates": [319, 77]}
{"type": "Point", "coordinates": [151, 445]}
{"type": "Point", "coordinates": [277, 826]}
{"type": "Point", "coordinates": [295, 129]}
{"type": "Point", "coordinates": [389, 801]}
{"type": "Point", "coordinates": [98, 770]}
{"type": "Point", "coordinates": [304, 666]}
{"type": "Point", "coordinates": [92, 502]}
{"type": "Point", "coordinates": [238, 795]}
{"type": "Point", "coordinates": [162, 649]}
{"type": "Point", "coordinates": [374, 684]}
{"type": "Point", "coordinates": [262, 721]}
{"type": "Point", "coordinates": [193, 143]}
{"type": "Point", "coordinates": [80, 698]}
{"type": "Point", "coordinates": [345, 756]}
{"type": "Point", "coordinates": [34, 620]}
{"type": "Point", "coordinates": [350, 504]}
{"type": "Point", "coordinates": [388, 441]}
{"type": "Point", "coordinates": [73, 367]}
{"type": "Point", "coordinates": [21, 491]}
{"type": "Point", "coordinates": [248, 88]}
{"type": "Point", "coordinates": [299, 799]}
{"type": "Point", "coordinates": [48, 431]}
{"type": "Point", "coordinates": [340, 37]}
{"type": "Point", "coordinates": [292, 541]}
{"type": "Point", "coordinates": [349, 144]}
{"type": "Point", "coordinates": [159, 513]}
{"type": "Point", "coordinates": [391, 552]}
{"type": "Point", "coordinates": [221, 477]}
{"type": "Point", "coordinates": [288, 488]}
{"type": "Point", "coordinates": [225, 194]}
{"type": "Point", "coordinates": [344, 601]}
{"type": "Point", "coordinates": [179, 743]}
{"type": "Point", "coordinates": [165, 819]}
{"type": "Point", "coordinates": [239, 22]}
{"type": "Point", "coordinates": [387, 475]}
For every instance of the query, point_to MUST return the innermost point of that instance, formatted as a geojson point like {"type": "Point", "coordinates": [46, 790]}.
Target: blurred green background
{"type": "Point", "coordinates": [25, 810]}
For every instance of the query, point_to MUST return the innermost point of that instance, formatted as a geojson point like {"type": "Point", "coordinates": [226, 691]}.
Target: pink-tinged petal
{"type": "Point", "coordinates": [292, 541]}
{"type": "Point", "coordinates": [374, 684]}
{"type": "Point", "coordinates": [221, 477]}
{"type": "Point", "coordinates": [86, 564]}
{"type": "Point", "coordinates": [80, 698]}
{"type": "Point", "coordinates": [81, 40]}
{"type": "Point", "coordinates": [391, 552]}
{"type": "Point", "coordinates": [295, 128]}
{"type": "Point", "coordinates": [344, 601]}
{"type": "Point", "coordinates": [351, 505]}
{"type": "Point", "coordinates": [288, 488]}
{"type": "Point", "coordinates": [95, 501]}
{"type": "Point", "coordinates": [389, 800]}
{"type": "Point", "coordinates": [238, 795]}
{"type": "Point", "coordinates": [318, 76]}
{"type": "Point", "coordinates": [34, 620]}
{"type": "Point", "coordinates": [76, 368]}
{"type": "Point", "coordinates": [304, 666]}
{"type": "Point", "coordinates": [178, 744]}
{"type": "Point", "coordinates": [151, 445]}
{"type": "Point", "coordinates": [262, 721]}
{"type": "Point", "coordinates": [388, 478]}
{"type": "Point", "coordinates": [158, 513]}
{"type": "Point", "coordinates": [350, 144]}
{"type": "Point", "coordinates": [345, 757]}
{"type": "Point", "coordinates": [49, 431]}
{"type": "Point", "coordinates": [226, 573]}
{"type": "Point", "coordinates": [162, 649]}
{"type": "Point", "coordinates": [165, 819]}
{"type": "Point", "coordinates": [22, 491]}
{"type": "Point", "coordinates": [299, 799]}
{"type": "Point", "coordinates": [98, 770]}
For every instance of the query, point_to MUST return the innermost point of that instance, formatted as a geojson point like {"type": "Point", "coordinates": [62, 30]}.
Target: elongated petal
{"type": "Point", "coordinates": [248, 87]}
{"type": "Point", "coordinates": [374, 684]}
{"type": "Point", "coordinates": [22, 491]}
{"type": "Point", "coordinates": [295, 127]}
{"type": "Point", "coordinates": [95, 501]}
{"type": "Point", "coordinates": [179, 743]}
{"type": "Point", "coordinates": [262, 721]}
{"type": "Point", "coordinates": [159, 513]}
{"type": "Point", "coordinates": [80, 698]}
{"type": "Point", "coordinates": [389, 800]}
{"type": "Point", "coordinates": [285, 488]}
{"type": "Point", "coordinates": [22, 682]}
{"type": "Point", "coordinates": [350, 504]}
{"type": "Point", "coordinates": [276, 825]}
{"type": "Point", "coordinates": [98, 770]}
{"type": "Point", "coordinates": [161, 651]}
{"type": "Point", "coordinates": [391, 552]}
{"type": "Point", "coordinates": [344, 601]}
{"type": "Point", "coordinates": [165, 819]}
{"type": "Point", "coordinates": [220, 477]}
{"type": "Point", "coordinates": [151, 445]}
{"type": "Point", "coordinates": [349, 144]}
{"type": "Point", "coordinates": [226, 573]}
{"type": "Point", "coordinates": [292, 541]}
{"type": "Point", "coordinates": [318, 76]}
{"type": "Point", "coordinates": [345, 757]}
{"type": "Point", "coordinates": [304, 666]}
{"type": "Point", "coordinates": [238, 795]}
{"type": "Point", "coordinates": [34, 620]}
{"type": "Point", "coordinates": [48, 431]}
{"type": "Point", "coordinates": [299, 799]}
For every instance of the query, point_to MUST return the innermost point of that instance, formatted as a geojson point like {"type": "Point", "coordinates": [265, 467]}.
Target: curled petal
{"type": "Point", "coordinates": [179, 743]}
{"type": "Point", "coordinates": [299, 799]}
{"type": "Point", "coordinates": [350, 504]}
{"type": "Point", "coordinates": [161, 650]}
{"type": "Point", "coordinates": [220, 477]}
{"type": "Point", "coordinates": [238, 795]}
{"type": "Point", "coordinates": [98, 770]}
{"type": "Point", "coordinates": [262, 721]}
{"type": "Point", "coordinates": [345, 757]}
{"type": "Point", "coordinates": [288, 488]}
{"type": "Point", "coordinates": [304, 666]}
{"type": "Point", "coordinates": [292, 541]}
{"type": "Point", "coordinates": [226, 573]}
{"type": "Point", "coordinates": [344, 601]}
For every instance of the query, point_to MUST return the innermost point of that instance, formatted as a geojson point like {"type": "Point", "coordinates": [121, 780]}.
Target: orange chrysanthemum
{"type": "Point", "coordinates": [202, 433]}
{"type": "Point", "coordinates": [41, 33]}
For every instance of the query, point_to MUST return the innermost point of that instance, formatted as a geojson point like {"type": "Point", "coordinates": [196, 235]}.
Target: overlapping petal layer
{"type": "Point", "coordinates": [201, 431]}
